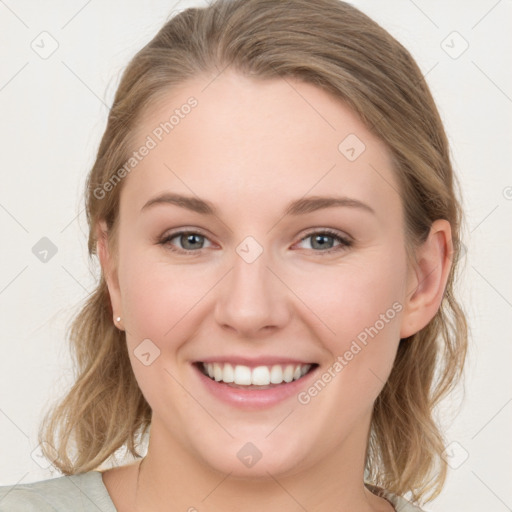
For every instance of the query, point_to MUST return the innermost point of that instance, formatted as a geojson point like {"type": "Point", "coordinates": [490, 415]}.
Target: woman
{"type": "Point", "coordinates": [293, 358]}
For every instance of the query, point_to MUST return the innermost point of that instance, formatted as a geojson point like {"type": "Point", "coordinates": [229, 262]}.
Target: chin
{"type": "Point", "coordinates": [250, 457]}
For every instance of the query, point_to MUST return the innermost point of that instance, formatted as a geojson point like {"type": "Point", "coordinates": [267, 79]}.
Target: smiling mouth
{"type": "Point", "coordinates": [260, 377]}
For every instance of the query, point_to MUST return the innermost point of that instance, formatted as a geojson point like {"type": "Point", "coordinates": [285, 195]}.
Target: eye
{"type": "Point", "coordinates": [193, 241]}
{"type": "Point", "coordinates": [190, 241]}
{"type": "Point", "coordinates": [323, 240]}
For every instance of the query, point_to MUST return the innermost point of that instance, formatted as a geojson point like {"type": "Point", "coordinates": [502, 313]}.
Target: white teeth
{"type": "Point", "coordinates": [242, 375]}
{"type": "Point", "coordinates": [288, 373]}
{"type": "Point", "coordinates": [228, 373]}
{"type": "Point", "coordinates": [276, 374]}
{"type": "Point", "coordinates": [258, 376]}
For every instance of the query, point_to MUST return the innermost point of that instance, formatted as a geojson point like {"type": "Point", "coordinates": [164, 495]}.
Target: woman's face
{"type": "Point", "coordinates": [285, 169]}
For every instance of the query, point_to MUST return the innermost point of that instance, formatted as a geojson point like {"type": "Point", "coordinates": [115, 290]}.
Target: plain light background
{"type": "Point", "coordinates": [53, 112]}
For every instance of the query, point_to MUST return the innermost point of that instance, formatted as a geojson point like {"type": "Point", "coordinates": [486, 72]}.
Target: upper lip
{"type": "Point", "coordinates": [255, 361]}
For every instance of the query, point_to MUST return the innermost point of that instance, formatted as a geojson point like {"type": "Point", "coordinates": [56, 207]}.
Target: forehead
{"type": "Point", "coordinates": [251, 142]}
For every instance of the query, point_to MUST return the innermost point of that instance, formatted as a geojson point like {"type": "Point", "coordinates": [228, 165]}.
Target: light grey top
{"type": "Point", "coordinates": [86, 492]}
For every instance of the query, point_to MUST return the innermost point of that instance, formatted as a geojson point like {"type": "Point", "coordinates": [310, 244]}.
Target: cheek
{"type": "Point", "coordinates": [345, 298]}
{"type": "Point", "coordinates": [361, 305]}
{"type": "Point", "coordinates": [352, 296]}
{"type": "Point", "coordinates": [156, 294]}
{"type": "Point", "coordinates": [158, 303]}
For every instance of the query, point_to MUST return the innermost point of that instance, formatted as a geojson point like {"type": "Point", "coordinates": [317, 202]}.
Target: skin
{"type": "Point", "coordinates": [245, 140]}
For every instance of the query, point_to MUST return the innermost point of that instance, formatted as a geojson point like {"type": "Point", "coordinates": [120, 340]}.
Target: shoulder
{"type": "Point", "coordinates": [83, 492]}
{"type": "Point", "coordinates": [400, 504]}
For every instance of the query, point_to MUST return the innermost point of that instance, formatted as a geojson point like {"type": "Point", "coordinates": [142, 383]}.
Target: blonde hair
{"type": "Point", "coordinates": [336, 47]}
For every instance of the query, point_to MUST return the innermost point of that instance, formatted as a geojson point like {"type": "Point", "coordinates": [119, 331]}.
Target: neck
{"type": "Point", "coordinates": [171, 478]}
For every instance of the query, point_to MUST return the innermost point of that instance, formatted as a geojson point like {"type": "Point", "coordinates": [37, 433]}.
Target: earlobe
{"type": "Point", "coordinates": [427, 280]}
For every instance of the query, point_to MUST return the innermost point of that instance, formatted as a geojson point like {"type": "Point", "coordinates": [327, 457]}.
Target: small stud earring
{"type": "Point", "coordinates": [118, 319]}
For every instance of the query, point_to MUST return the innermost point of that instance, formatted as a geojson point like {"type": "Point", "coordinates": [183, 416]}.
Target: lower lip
{"type": "Point", "coordinates": [253, 398]}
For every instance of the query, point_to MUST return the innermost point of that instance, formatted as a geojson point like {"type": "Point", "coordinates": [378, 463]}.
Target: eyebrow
{"type": "Point", "coordinates": [297, 207]}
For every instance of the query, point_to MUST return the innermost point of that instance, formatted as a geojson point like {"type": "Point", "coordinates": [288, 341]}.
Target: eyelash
{"type": "Point", "coordinates": [345, 243]}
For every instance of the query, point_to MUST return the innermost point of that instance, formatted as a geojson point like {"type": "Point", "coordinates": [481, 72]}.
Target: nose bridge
{"type": "Point", "coordinates": [252, 297]}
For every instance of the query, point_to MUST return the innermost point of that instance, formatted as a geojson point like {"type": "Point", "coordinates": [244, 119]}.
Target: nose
{"type": "Point", "coordinates": [252, 300]}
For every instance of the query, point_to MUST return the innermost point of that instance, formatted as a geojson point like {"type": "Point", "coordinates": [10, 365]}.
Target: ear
{"type": "Point", "coordinates": [426, 281]}
{"type": "Point", "coordinates": [109, 268]}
